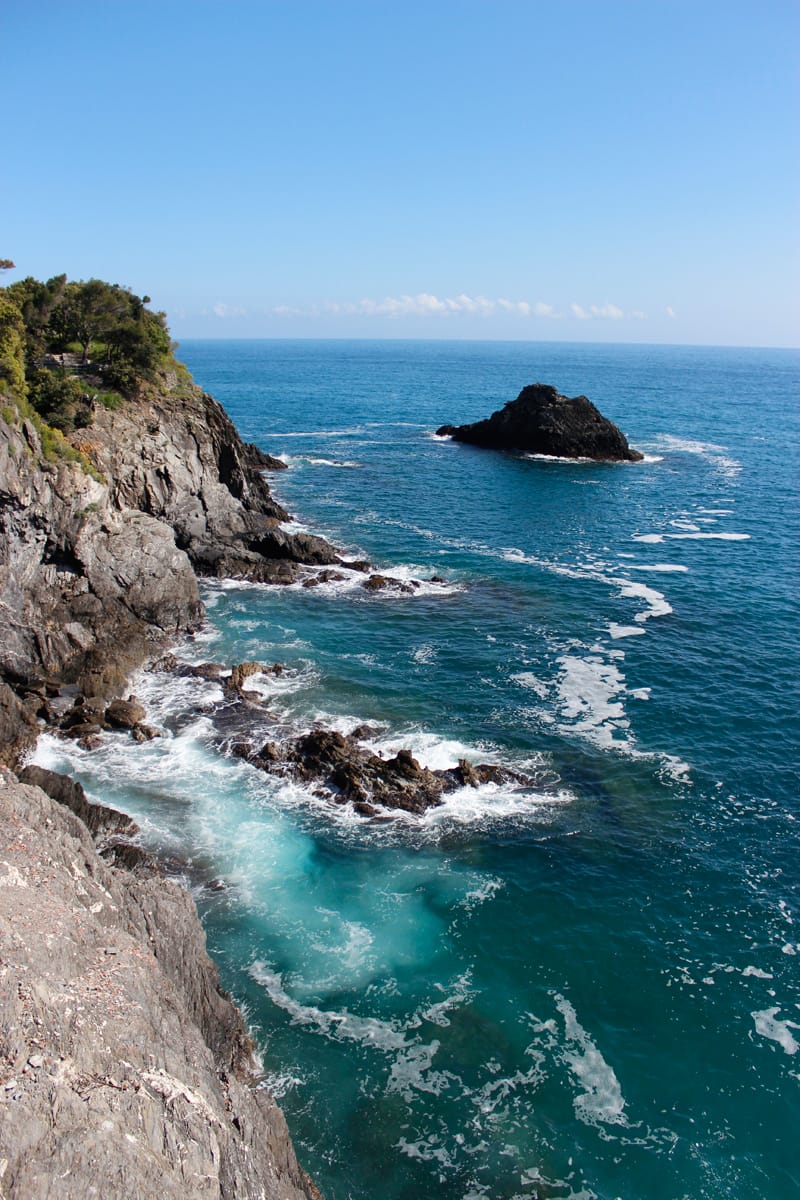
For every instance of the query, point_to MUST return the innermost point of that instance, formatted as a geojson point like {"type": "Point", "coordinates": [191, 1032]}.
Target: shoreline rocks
{"type": "Point", "coordinates": [95, 569]}
{"type": "Point", "coordinates": [125, 1070]}
{"type": "Point", "coordinates": [542, 421]}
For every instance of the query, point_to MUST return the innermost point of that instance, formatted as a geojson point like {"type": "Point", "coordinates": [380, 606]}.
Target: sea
{"type": "Point", "coordinates": [584, 987]}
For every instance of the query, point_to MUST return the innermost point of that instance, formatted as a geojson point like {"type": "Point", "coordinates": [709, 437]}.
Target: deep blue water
{"type": "Point", "coordinates": [583, 990]}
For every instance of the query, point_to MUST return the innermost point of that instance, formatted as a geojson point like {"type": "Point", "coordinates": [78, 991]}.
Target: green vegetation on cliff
{"type": "Point", "coordinates": [12, 349]}
{"type": "Point", "coordinates": [66, 346]}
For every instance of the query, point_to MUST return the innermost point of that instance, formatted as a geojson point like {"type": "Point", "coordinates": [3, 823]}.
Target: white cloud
{"type": "Point", "coordinates": [608, 312]}
{"type": "Point", "coordinates": [426, 304]}
{"type": "Point", "coordinates": [228, 310]}
{"type": "Point", "coordinates": [423, 304]}
{"type": "Point", "coordinates": [670, 311]}
{"type": "Point", "coordinates": [600, 312]}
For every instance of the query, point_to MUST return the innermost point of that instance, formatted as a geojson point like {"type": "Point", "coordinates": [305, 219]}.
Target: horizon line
{"type": "Point", "coordinates": [487, 341]}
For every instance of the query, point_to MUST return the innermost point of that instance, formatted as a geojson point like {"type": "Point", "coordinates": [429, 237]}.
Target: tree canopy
{"type": "Point", "coordinates": [119, 341]}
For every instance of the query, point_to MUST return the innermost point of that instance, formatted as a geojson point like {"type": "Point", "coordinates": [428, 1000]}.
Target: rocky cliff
{"type": "Point", "coordinates": [542, 421]}
{"type": "Point", "coordinates": [93, 567]}
{"type": "Point", "coordinates": [125, 1072]}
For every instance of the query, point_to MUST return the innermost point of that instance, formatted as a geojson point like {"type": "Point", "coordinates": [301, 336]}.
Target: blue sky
{"type": "Point", "coordinates": [571, 170]}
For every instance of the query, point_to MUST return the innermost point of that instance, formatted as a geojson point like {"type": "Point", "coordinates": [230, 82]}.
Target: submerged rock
{"type": "Point", "coordinates": [542, 421]}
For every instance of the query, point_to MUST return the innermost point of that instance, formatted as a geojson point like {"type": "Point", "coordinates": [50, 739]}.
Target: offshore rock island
{"type": "Point", "coordinates": [542, 421]}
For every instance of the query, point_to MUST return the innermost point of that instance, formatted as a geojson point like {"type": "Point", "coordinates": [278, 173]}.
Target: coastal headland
{"type": "Point", "coordinates": [125, 1070]}
{"type": "Point", "coordinates": [122, 484]}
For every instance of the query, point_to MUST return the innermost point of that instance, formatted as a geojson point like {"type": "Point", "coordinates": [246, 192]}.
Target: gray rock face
{"type": "Point", "coordinates": [91, 571]}
{"type": "Point", "coordinates": [124, 1070]}
{"type": "Point", "coordinates": [100, 820]}
{"type": "Point", "coordinates": [81, 579]}
{"type": "Point", "coordinates": [179, 458]}
{"type": "Point", "coordinates": [18, 727]}
{"type": "Point", "coordinates": [542, 421]}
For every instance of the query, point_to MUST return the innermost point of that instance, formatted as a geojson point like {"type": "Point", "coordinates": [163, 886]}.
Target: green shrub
{"type": "Point", "coordinates": [110, 400]}
{"type": "Point", "coordinates": [59, 397]}
{"type": "Point", "coordinates": [12, 348]}
{"type": "Point", "coordinates": [56, 448]}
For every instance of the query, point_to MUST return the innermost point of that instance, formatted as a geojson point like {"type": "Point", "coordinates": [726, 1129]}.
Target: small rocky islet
{"type": "Point", "coordinates": [543, 421]}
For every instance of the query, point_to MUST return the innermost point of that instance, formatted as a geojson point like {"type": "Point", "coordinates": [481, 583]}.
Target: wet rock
{"type": "Point", "coordinates": [241, 749]}
{"type": "Point", "coordinates": [125, 714]}
{"type": "Point", "coordinates": [378, 583]}
{"type": "Point", "coordinates": [270, 752]}
{"type": "Point", "coordinates": [375, 583]}
{"type": "Point", "coordinates": [145, 733]}
{"type": "Point", "coordinates": [257, 458]}
{"type": "Point", "coordinates": [365, 732]}
{"type": "Point", "coordinates": [350, 773]}
{"type": "Point", "coordinates": [467, 774]}
{"type": "Point", "coordinates": [364, 809]}
{"type": "Point", "coordinates": [242, 671]}
{"type": "Point", "coordinates": [542, 421]}
{"type": "Point", "coordinates": [129, 856]}
{"type": "Point", "coordinates": [204, 670]}
{"type": "Point", "coordinates": [85, 717]}
{"type": "Point", "coordinates": [80, 730]}
{"type": "Point", "coordinates": [166, 663]}
{"type": "Point", "coordinates": [355, 774]}
{"type": "Point", "coordinates": [325, 576]}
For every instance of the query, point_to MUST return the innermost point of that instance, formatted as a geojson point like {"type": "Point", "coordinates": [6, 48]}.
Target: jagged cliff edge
{"type": "Point", "coordinates": [126, 1071]}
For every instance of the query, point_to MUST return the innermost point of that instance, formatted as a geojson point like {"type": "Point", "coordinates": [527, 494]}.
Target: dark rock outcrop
{"type": "Point", "coordinates": [99, 819]}
{"type": "Point", "coordinates": [125, 714]}
{"type": "Point", "coordinates": [542, 421]}
{"type": "Point", "coordinates": [125, 1070]}
{"type": "Point", "coordinates": [351, 773]}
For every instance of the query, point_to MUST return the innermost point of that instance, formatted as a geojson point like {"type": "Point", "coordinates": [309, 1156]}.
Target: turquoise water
{"type": "Point", "coordinates": [584, 990]}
